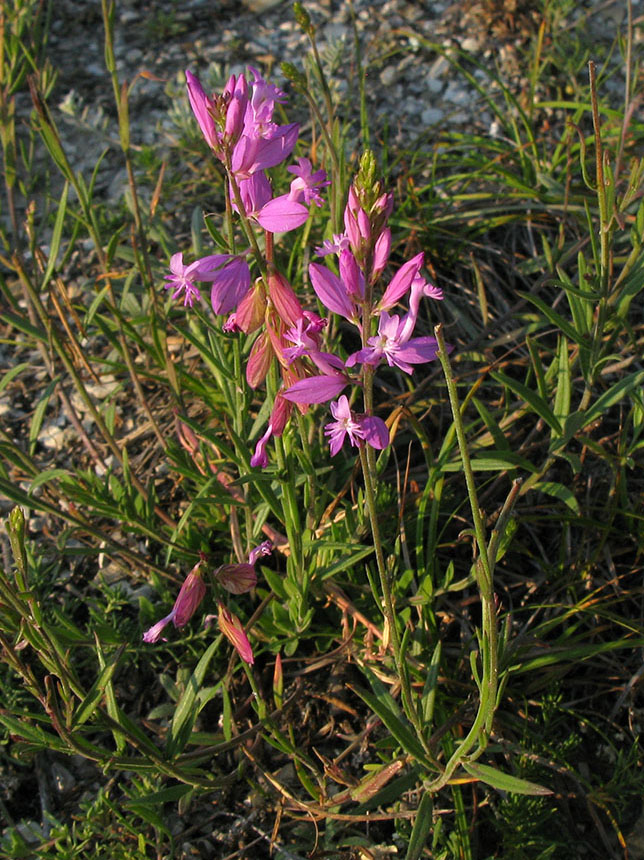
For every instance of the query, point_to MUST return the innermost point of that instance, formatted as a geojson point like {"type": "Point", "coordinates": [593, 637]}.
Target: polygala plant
{"type": "Point", "coordinates": [296, 353]}
{"type": "Point", "coordinates": [289, 349]}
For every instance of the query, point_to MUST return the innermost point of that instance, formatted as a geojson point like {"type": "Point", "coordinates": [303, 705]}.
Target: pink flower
{"type": "Point", "coordinates": [305, 335]}
{"type": "Point", "coordinates": [307, 184]}
{"type": "Point", "coordinates": [263, 549]}
{"type": "Point", "coordinates": [182, 279]}
{"type": "Point", "coordinates": [367, 428]}
{"type": "Point", "coordinates": [394, 345]}
{"type": "Point", "coordinates": [230, 284]}
{"type": "Point", "coordinates": [277, 215]}
{"type": "Point", "coordinates": [344, 425]}
{"type": "Point", "coordinates": [340, 242]}
{"type": "Point", "coordinates": [253, 153]}
{"type": "Point", "coordinates": [316, 389]}
{"type": "Point", "coordinates": [401, 282]}
{"type": "Point", "coordinates": [282, 214]}
{"type": "Point", "coordinates": [332, 292]}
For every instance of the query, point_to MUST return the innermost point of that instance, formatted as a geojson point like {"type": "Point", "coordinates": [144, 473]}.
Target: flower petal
{"type": "Point", "coordinates": [281, 215]}
{"type": "Point", "coordinates": [315, 389]}
{"type": "Point", "coordinates": [331, 291]}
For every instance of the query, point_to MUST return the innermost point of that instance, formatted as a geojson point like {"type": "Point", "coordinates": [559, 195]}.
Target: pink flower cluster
{"type": "Point", "coordinates": [239, 128]}
{"type": "Point", "coordinates": [236, 579]}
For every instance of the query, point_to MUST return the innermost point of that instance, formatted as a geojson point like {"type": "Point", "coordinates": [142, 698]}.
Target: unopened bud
{"type": "Point", "coordinates": [249, 315]}
{"type": "Point", "coordinates": [294, 75]}
{"type": "Point", "coordinates": [278, 682]}
{"type": "Point", "coordinates": [303, 19]}
{"type": "Point", "coordinates": [259, 361]}
{"type": "Point", "coordinates": [284, 299]}
{"type": "Point", "coordinates": [236, 578]}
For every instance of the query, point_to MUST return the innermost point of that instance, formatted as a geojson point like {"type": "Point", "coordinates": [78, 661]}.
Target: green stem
{"type": "Point", "coordinates": [483, 570]}
{"type": "Point", "coordinates": [386, 602]}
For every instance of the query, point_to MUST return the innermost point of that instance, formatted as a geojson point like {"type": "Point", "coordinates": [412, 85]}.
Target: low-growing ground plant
{"type": "Point", "coordinates": [322, 467]}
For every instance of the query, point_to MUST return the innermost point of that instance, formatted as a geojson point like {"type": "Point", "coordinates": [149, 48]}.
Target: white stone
{"type": "Point", "coordinates": [388, 76]}
{"type": "Point", "coordinates": [470, 44]}
{"type": "Point", "coordinates": [431, 116]}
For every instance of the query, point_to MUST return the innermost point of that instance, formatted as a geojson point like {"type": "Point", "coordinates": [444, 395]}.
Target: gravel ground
{"type": "Point", "coordinates": [410, 87]}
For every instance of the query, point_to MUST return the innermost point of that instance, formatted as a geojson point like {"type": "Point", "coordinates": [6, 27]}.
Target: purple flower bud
{"type": "Point", "coordinates": [236, 109]}
{"type": "Point", "coordinates": [154, 633]}
{"type": "Point", "coordinates": [190, 596]}
{"type": "Point", "coordinates": [364, 225]}
{"type": "Point", "coordinates": [202, 106]}
{"type": "Point", "coordinates": [260, 457]}
{"type": "Point", "coordinates": [381, 250]}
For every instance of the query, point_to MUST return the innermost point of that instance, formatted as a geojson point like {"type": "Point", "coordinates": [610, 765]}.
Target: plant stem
{"type": "Point", "coordinates": [483, 570]}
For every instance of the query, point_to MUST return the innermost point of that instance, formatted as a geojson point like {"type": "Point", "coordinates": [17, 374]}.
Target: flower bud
{"type": "Point", "coordinates": [249, 315]}
{"type": "Point", "coordinates": [190, 596]}
{"type": "Point", "coordinates": [351, 276]}
{"type": "Point", "coordinates": [278, 681]}
{"type": "Point", "coordinates": [236, 578]}
{"type": "Point", "coordinates": [259, 360]}
{"type": "Point", "coordinates": [381, 251]}
{"type": "Point", "coordinates": [233, 630]}
{"type": "Point", "coordinates": [284, 299]}
{"type": "Point", "coordinates": [280, 414]}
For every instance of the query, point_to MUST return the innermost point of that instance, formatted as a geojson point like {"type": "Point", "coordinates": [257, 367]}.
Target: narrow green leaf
{"type": "Point", "coordinates": [562, 394]}
{"type": "Point", "coordinates": [555, 318]}
{"type": "Point", "coordinates": [558, 491]}
{"type": "Point", "coordinates": [166, 795]}
{"type": "Point", "coordinates": [95, 693]}
{"type": "Point", "coordinates": [429, 691]}
{"type": "Point", "coordinates": [188, 705]}
{"type": "Point", "coordinates": [422, 827]}
{"type": "Point", "coordinates": [493, 461]}
{"type": "Point", "coordinates": [25, 326]}
{"type": "Point", "coordinates": [343, 563]}
{"type": "Point", "coordinates": [504, 781]}
{"type": "Point", "coordinates": [39, 415]}
{"type": "Point", "coordinates": [531, 398]}
{"type": "Point", "coordinates": [111, 704]}
{"type": "Point", "coordinates": [31, 733]}
{"type": "Point", "coordinates": [45, 477]}
{"type": "Point", "coordinates": [10, 374]}
{"type": "Point", "coordinates": [96, 303]}
{"type": "Point", "coordinates": [394, 721]}
{"type": "Point", "coordinates": [54, 246]}
{"type": "Point", "coordinates": [614, 394]}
